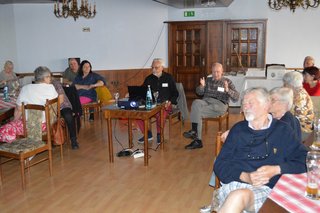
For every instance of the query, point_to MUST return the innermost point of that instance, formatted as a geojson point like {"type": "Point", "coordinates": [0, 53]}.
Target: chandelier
{"type": "Point", "coordinates": [293, 4]}
{"type": "Point", "coordinates": [70, 8]}
{"type": "Point", "coordinates": [208, 3]}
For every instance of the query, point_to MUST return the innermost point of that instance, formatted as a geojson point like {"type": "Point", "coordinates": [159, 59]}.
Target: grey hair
{"type": "Point", "coordinates": [262, 94]}
{"type": "Point", "coordinates": [40, 73]}
{"type": "Point", "coordinates": [7, 63]}
{"type": "Point", "coordinates": [285, 95]}
{"type": "Point", "coordinates": [216, 64]}
{"type": "Point", "coordinates": [293, 79]}
{"type": "Point", "coordinates": [162, 63]}
{"type": "Point", "coordinates": [308, 58]}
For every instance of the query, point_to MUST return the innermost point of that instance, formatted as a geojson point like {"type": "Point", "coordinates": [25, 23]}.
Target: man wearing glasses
{"type": "Point", "coordinates": [255, 154]}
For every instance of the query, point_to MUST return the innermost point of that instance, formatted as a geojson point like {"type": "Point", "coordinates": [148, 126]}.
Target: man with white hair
{"type": "Point", "coordinates": [256, 153]}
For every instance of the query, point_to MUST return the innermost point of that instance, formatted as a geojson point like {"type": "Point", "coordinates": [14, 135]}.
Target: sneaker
{"type": "Point", "coordinates": [190, 134]}
{"type": "Point", "coordinates": [205, 209]}
{"type": "Point", "coordinates": [150, 138]}
{"type": "Point", "coordinates": [158, 138]}
{"type": "Point", "coordinates": [195, 144]}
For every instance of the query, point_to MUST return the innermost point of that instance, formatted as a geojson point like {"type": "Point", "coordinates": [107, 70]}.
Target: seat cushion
{"type": "Point", "coordinates": [21, 145]}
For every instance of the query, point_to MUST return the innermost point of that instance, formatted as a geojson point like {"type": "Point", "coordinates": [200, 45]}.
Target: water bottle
{"type": "Point", "coordinates": [6, 93]}
{"type": "Point", "coordinates": [149, 98]}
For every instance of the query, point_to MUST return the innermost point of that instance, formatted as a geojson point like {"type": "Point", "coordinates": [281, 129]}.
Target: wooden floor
{"type": "Point", "coordinates": [176, 179]}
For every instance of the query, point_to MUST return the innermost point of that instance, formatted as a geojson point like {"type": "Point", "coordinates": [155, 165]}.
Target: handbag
{"type": "Point", "coordinates": [58, 132]}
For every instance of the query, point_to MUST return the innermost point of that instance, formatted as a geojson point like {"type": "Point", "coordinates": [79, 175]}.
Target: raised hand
{"type": "Point", "coordinates": [202, 82]}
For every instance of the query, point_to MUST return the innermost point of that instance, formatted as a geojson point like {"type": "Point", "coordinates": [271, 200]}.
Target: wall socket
{"type": "Point", "coordinates": [86, 29]}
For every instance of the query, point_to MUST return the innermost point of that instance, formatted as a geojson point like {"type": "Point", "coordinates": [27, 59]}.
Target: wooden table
{"type": "Point", "coordinates": [6, 113]}
{"type": "Point", "coordinates": [271, 206]}
{"type": "Point", "coordinates": [112, 111]}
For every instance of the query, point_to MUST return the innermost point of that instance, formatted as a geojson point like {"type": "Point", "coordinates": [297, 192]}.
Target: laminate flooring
{"type": "Point", "coordinates": [176, 179]}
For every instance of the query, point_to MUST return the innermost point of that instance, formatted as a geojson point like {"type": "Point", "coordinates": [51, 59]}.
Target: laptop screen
{"type": "Point", "coordinates": [138, 93]}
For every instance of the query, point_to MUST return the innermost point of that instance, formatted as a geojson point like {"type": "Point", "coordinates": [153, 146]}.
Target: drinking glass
{"type": "Point", "coordinates": [316, 140]}
{"type": "Point", "coordinates": [116, 97]}
{"type": "Point", "coordinates": [156, 95]}
{"type": "Point", "coordinates": [313, 176]}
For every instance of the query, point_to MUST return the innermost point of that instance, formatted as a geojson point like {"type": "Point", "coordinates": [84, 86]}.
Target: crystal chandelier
{"type": "Point", "coordinates": [208, 3]}
{"type": "Point", "coordinates": [70, 8]}
{"type": "Point", "coordinates": [293, 4]}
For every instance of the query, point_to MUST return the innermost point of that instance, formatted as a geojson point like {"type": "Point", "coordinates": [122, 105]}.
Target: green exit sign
{"type": "Point", "coordinates": [189, 13]}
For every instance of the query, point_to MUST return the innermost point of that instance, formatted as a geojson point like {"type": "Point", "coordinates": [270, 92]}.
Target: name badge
{"type": "Point", "coordinates": [165, 85]}
{"type": "Point", "coordinates": [220, 89]}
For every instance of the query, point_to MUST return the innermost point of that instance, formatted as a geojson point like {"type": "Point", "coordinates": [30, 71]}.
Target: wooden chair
{"type": "Point", "coordinates": [103, 98]}
{"type": "Point", "coordinates": [219, 119]}
{"type": "Point", "coordinates": [219, 144]}
{"type": "Point", "coordinates": [31, 144]}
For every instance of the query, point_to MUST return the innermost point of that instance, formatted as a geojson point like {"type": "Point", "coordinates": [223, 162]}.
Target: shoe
{"type": "Point", "coordinates": [74, 143]}
{"type": "Point", "coordinates": [75, 146]}
{"type": "Point", "coordinates": [195, 144]}
{"type": "Point", "coordinates": [190, 134]}
{"type": "Point", "coordinates": [205, 209]}
{"type": "Point", "coordinates": [91, 117]}
{"type": "Point", "coordinates": [158, 138]}
{"type": "Point", "coordinates": [150, 138]}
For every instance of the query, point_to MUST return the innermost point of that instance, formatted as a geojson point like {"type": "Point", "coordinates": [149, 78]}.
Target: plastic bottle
{"type": "Point", "coordinates": [6, 93]}
{"type": "Point", "coordinates": [149, 98]}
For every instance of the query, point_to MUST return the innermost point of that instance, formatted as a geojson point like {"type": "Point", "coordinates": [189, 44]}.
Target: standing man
{"type": "Point", "coordinates": [216, 92]}
{"type": "Point", "coordinates": [166, 86]}
{"type": "Point", "coordinates": [256, 153]}
{"type": "Point", "coordinates": [72, 71]}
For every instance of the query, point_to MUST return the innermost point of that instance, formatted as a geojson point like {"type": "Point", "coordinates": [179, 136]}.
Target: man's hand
{"type": "Point", "coordinates": [224, 136]}
{"type": "Point", "coordinates": [167, 104]}
{"type": "Point", "coordinates": [202, 82]}
{"type": "Point", "coordinates": [261, 176]}
{"type": "Point", "coordinates": [226, 86]}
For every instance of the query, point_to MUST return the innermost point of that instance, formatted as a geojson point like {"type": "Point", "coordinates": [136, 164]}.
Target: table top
{"type": "Point", "coordinates": [7, 104]}
{"type": "Point", "coordinates": [289, 192]}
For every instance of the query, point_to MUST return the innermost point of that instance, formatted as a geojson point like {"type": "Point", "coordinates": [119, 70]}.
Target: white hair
{"type": "Point", "coordinates": [162, 63]}
{"type": "Point", "coordinates": [293, 79]}
{"type": "Point", "coordinates": [285, 95]}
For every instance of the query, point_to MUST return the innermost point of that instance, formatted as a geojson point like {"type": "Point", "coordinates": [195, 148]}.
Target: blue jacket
{"type": "Point", "coordinates": [245, 150]}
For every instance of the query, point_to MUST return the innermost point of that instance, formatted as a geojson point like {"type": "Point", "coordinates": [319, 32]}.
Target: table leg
{"type": "Point", "coordinates": [130, 133]}
{"type": "Point", "coordinates": [111, 159]}
{"type": "Point", "coordinates": [161, 128]}
{"type": "Point", "coordinates": [146, 126]}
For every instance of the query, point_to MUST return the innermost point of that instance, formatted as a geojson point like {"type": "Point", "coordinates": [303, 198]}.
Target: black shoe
{"type": "Point", "coordinates": [91, 117]}
{"type": "Point", "coordinates": [75, 146]}
{"type": "Point", "coordinates": [150, 138]}
{"type": "Point", "coordinates": [190, 134]}
{"type": "Point", "coordinates": [158, 138]}
{"type": "Point", "coordinates": [195, 144]}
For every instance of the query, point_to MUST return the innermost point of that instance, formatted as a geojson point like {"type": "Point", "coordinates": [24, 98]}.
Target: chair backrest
{"type": "Point", "coordinates": [103, 94]}
{"type": "Point", "coordinates": [182, 102]}
{"type": "Point", "coordinates": [32, 117]}
{"type": "Point", "coordinates": [219, 144]}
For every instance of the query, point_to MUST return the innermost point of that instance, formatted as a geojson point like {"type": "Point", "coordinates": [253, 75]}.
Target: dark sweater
{"type": "Point", "coordinates": [293, 123]}
{"type": "Point", "coordinates": [166, 86]}
{"type": "Point", "coordinates": [245, 150]}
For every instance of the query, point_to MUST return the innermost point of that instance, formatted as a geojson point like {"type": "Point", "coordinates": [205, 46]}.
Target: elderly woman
{"type": "Point", "coordinates": [67, 113]}
{"type": "Point", "coordinates": [281, 104]}
{"type": "Point", "coordinates": [302, 104]}
{"type": "Point", "coordinates": [85, 82]}
{"type": "Point", "coordinates": [36, 93]}
{"type": "Point", "coordinates": [308, 61]}
{"type": "Point", "coordinates": [7, 76]}
{"type": "Point", "coordinates": [311, 83]}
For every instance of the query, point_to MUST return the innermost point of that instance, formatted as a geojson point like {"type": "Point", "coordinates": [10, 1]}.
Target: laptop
{"type": "Point", "coordinates": [137, 93]}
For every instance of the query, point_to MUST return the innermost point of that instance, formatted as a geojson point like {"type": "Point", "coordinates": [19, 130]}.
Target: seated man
{"type": "Point", "coordinates": [72, 71]}
{"type": "Point", "coordinates": [216, 91]}
{"type": "Point", "coordinates": [166, 86]}
{"type": "Point", "coordinates": [257, 151]}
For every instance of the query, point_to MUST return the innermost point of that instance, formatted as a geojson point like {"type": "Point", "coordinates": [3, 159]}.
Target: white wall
{"type": "Point", "coordinates": [124, 33]}
{"type": "Point", "coordinates": [290, 36]}
{"type": "Point", "coordinates": [8, 48]}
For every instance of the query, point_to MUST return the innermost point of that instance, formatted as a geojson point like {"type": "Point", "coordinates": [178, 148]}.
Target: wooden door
{"type": "Point", "coordinates": [187, 54]}
{"type": "Point", "coordinates": [245, 44]}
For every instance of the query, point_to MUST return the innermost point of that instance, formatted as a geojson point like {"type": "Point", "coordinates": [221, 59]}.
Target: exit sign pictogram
{"type": "Point", "coordinates": [189, 13]}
